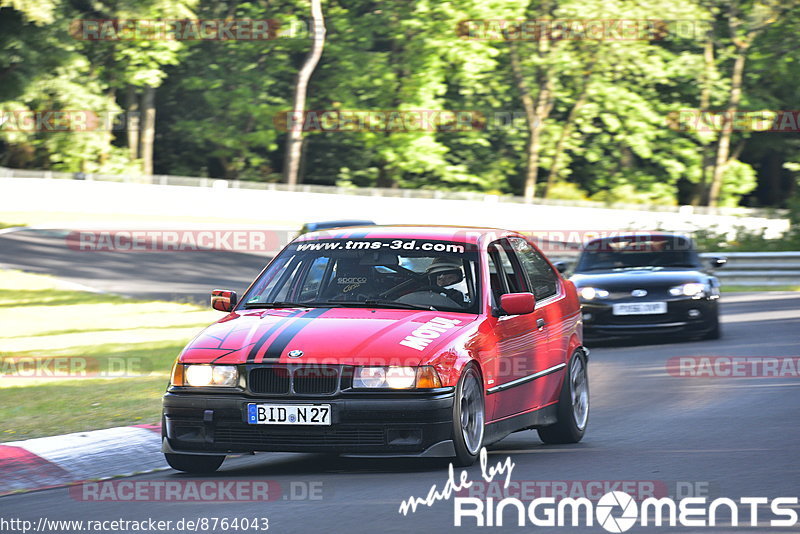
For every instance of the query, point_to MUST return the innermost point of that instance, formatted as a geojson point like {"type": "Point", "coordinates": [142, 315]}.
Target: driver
{"type": "Point", "coordinates": [443, 273]}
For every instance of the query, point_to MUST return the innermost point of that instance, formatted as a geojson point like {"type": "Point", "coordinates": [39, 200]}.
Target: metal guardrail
{"type": "Point", "coordinates": [742, 269]}
{"type": "Point", "coordinates": [192, 181]}
{"type": "Point", "coordinates": [759, 268]}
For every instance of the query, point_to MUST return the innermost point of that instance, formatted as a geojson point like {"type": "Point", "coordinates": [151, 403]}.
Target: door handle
{"type": "Point", "coordinates": [540, 323]}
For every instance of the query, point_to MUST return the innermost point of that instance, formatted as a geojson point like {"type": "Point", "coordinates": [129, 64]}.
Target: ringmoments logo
{"type": "Point", "coordinates": [616, 511]}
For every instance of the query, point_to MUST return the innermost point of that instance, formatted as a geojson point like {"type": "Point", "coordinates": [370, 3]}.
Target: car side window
{"type": "Point", "coordinates": [504, 273]}
{"type": "Point", "coordinates": [543, 279]}
{"type": "Point", "coordinates": [313, 279]}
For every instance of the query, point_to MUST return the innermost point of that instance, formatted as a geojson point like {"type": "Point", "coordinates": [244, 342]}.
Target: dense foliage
{"type": "Point", "coordinates": [592, 118]}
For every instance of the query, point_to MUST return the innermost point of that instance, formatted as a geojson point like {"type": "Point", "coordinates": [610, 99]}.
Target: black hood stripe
{"type": "Point", "coordinates": [251, 357]}
{"type": "Point", "coordinates": [277, 347]}
{"type": "Point", "coordinates": [218, 358]}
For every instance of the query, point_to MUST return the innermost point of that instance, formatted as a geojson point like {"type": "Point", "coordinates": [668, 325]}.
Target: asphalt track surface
{"type": "Point", "coordinates": [722, 437]}
{"type": "Point", "coordinates": [187, 276]}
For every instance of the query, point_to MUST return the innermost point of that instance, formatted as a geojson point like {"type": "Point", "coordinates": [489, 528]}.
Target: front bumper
{"type": "Point", "coordinates": [407, 424]}
{"type": "Point", "coordinates": [684, 316]}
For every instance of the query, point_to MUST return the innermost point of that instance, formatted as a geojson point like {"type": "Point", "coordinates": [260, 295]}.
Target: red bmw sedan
{"type": "Point", "coordinates": [384, 341]}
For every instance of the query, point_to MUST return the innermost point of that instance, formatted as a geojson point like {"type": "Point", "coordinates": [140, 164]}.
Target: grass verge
{"type": "Point", "coordinates": [743, 289]}
{"type": "Point", "coordinates": [73, 361]}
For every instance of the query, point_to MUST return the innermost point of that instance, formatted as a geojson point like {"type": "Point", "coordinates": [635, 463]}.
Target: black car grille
{"type": "Point", "coordinates": [644, 319]}
{"type": "Point", "coordinates": [269, 380]}
{"type": "Point", "coordinates": [297, 437]}
{"type": "Point", "coordinates": [302, 380]}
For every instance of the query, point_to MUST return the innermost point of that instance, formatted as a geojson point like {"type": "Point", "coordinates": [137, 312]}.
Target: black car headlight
{"type": "Point", "coordinates": [591, 293]}
{"type": "Point", "coordinates": [692, 289]}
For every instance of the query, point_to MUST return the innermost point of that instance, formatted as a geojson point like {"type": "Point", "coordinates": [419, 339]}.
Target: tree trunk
{"type": "Point", "coordinates": [384, 180]}
{"type": "Point", "coordinates": [294, 138]}
{"type": "Point", "coordinates": [552, 176]}
{"type": "Point", "coordinates": [132, 122]}
{"type": "Point", "coordinates": [700, 195]}
{"type": "Point", "coordinates": [723, 147]}
{"type": "Point", "coordinates": [535, 114]}
{"type": "Point", "coordinates": [148, 129]}
{"type": "Point", "coordinates": [108, 135]}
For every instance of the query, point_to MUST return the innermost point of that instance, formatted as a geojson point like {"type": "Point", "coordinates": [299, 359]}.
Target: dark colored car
{"type": "Point", "coordinates": [328, 225]}
{"type": "Point", "coordinates": [647, 284]}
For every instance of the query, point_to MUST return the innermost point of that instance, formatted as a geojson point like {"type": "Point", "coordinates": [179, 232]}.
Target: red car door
{"type": "Point", "coordinates": [546, 285]}
{"type": "Point", "coordinates": [521, 340]}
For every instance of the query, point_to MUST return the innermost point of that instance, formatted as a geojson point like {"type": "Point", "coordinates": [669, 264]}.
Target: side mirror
{"type": "Point", "coordinates": [561, 266]}
{"type": "Point", "coordinates": [517, 303]}
{"type": "Point", "coordinates": [223, 300]}
{"type": "Point", "coordinates": [718, 262]}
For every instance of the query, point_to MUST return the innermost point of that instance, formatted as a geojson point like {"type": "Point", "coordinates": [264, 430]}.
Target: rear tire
{"type": "Point", "coordinates": [573, 405]}
{"type": "Point", "coordinates": [469, 417]}
{"type": "Point", "coordinates": [194, 463]}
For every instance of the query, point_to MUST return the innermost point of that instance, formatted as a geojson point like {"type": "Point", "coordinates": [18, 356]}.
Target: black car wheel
{"type": "Point", "coordinates": [573, 405]}
{"type": "Point", "coordinates": [715, 332]}
{"type": "Point", "coordinates": [194, 463]}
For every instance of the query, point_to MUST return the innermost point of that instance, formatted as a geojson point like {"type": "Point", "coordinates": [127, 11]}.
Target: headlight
{"type": "Point", "coordinates": [370, 377]}
{"type": "Point", "coordinates": [401, 377]}
{"type": "Point", "coordinates": [205, 375]}
{"type": "Point", "coordinates": [396, 377]}
{"type": "Point", "coordinates": [689, 290]}
{"type": "Point", "coordinates": [591, 293]}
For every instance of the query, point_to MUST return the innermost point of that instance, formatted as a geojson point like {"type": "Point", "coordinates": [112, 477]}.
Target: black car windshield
{"type": "Point", "coordinates": [638, 251]}
{"type": "Point", "coordinates": [384, 273]}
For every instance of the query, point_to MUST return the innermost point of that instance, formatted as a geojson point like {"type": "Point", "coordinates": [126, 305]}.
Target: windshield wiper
{"type": "Point", "coordinates": [375, 303]}
{"type": "Point", "coordinates": [586, 269]}
{"type": "Point", "coordinates": [280, 304]}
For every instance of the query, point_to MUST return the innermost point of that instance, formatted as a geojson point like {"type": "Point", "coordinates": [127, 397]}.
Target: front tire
{"type": "Point", "coordinates": [468, 417]}
{"type": "Point", "coordinates": [573, 405]}
{"type": "Point", "coordinates": [194, 463]}
{"type": "Point", "coordinates": [715, 332]}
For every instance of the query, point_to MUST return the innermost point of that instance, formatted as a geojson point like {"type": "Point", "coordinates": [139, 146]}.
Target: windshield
{"type": "Point", "coordinates": [388, 273]}
{"type": "Point", "coordinates": [638, 251]}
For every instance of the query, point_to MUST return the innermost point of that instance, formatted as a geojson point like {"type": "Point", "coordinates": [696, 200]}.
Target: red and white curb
{"type": "Point", "coordinates": [42, 463]}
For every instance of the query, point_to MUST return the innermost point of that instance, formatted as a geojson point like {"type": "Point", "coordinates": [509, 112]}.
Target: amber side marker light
{"type": "Point", "coordinates": [176, 377]}
{"type": "Point", "coordinates": [427, 377]}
